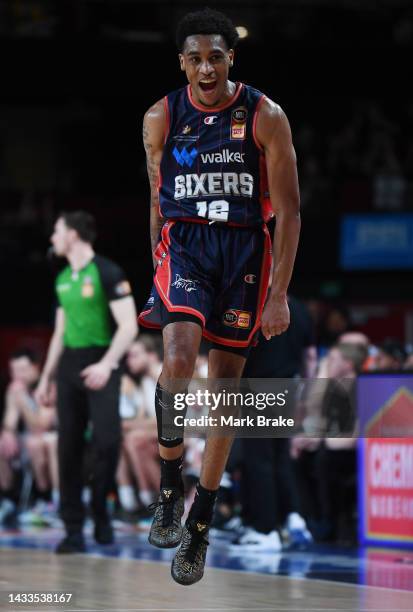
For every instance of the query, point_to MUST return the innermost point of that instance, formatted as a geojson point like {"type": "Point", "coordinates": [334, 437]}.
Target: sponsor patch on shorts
{"type": "Point", "coordinates": [237, 318]}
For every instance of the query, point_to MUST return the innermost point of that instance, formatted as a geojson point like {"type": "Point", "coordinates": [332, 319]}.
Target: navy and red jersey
{"type": "Point", "coordinates": [212, 166]}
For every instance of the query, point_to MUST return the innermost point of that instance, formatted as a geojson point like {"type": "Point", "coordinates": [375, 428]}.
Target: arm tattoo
{"type": "Point", "coordinates": [152, 165]}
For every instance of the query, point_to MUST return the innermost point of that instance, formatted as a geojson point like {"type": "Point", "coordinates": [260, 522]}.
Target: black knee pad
{"type": "Point", "coordinates": [165, 413]}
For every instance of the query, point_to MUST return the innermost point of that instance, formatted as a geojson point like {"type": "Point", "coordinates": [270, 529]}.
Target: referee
{"type": "Point", "coordinates": [95, 324]}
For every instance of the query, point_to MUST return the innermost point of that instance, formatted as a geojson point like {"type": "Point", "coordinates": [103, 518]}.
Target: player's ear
{"type": "Point", "coordinates": [181, 62]}
{"type": "Point", "coordinates": [231, 57]}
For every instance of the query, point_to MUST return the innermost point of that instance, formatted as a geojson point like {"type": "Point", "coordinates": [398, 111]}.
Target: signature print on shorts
{"type": "Point", "coordinates": [184, 283]}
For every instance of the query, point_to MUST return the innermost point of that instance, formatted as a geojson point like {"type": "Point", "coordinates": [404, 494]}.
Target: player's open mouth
{"type": "Point", "coordinates": [207, 85]}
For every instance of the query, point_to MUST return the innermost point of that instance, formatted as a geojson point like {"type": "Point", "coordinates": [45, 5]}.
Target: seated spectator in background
{"type": "Point", "coordinates": [39, 440]}
{"type": "Point", "coordinates": [354, 337]}
{"type": "Point", "coordinates": [269, 492]}
{"type": "Point", "coordinates": [328, 466]}
{"type": "Point", "coordinates": [408, 364]}
{"type": "Point", "coordinates": [139, 454]}
{"type": "Point", "coordinates": [23, 376]}
{"type": "Point", "coordinates": [390, 356]}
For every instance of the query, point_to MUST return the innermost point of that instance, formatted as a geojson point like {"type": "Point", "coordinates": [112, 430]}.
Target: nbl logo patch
{"type": "Point", "coordinates": [239, 123]}
{"type": "Point", "coordinates": [237, 318]}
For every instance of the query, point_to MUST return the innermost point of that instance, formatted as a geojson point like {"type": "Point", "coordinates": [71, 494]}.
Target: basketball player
{"type": "Point", "coordinates": [215, 151]}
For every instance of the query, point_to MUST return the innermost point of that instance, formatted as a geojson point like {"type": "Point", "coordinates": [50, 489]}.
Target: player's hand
{"type": "Point", "coordinates": [96, 375]}
{"type": "Point", "coordinates": [276, 317]}
{"type": "Point", "coordinates": [43, 393]}
{"type": "Point", "coordinates": [9, 446]}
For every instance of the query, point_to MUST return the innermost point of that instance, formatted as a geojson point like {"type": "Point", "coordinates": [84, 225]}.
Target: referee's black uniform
{"type": "Point", "coordinates": [85, 296]}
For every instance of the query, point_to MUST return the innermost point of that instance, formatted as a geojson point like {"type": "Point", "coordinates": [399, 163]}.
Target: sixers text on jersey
{"type": "Point", "coordinates": [212, 165]}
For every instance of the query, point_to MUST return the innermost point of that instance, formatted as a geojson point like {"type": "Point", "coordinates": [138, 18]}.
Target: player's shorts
{"type": "Point", "coordinates": [214, 272]}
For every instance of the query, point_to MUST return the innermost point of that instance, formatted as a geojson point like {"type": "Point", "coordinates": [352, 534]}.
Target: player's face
{"type": "Point", "coordinates": [206, 61]}
{"type": "Point", "coordinates": [61, 238]}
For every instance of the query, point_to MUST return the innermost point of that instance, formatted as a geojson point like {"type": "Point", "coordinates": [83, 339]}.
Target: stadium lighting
{"type": "Point", "coordinates": [242, 31]}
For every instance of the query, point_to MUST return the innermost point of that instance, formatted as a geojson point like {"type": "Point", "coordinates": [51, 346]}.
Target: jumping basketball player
{"type": "Point", "coordinates": [220, 163]}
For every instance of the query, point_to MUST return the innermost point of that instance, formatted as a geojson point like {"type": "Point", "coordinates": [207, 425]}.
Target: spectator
{"type": "Point", "coordinates": [40, 442]}
{"type": "Point", "coordinates": [408, 364]}
{"type": "Point", "coordinates": [20, 406]}
{"type": "Point", "coordinates": [354, 337]}
{"type": "Point", "coordinates": [270, 497]}
{"type": "Point", "coordinates": [390, 356]}
{"type": "Point", "coordinates": [329, 466]}
{"type": "Point", "coordinates": [139, 453]}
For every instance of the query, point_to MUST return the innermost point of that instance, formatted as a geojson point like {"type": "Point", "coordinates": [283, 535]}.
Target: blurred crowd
{"type": "Point", "coordinates": [364, 163]}
{"type": "Point", "coordinates": [315, 472]}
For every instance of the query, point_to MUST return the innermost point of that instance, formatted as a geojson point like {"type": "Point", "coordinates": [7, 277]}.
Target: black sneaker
{"type": "Point", "coordinates": [166, 529]}
{"type": "Point", "coordinates": [189, 562]}
{"type": "Point", "coordinates": [72, 543]}
{"type": "Point", "coordinates": [104, 532]}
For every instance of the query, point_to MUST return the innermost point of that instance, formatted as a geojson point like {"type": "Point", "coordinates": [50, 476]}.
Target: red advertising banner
{"type": "Point", "coordinates": [388, 489]}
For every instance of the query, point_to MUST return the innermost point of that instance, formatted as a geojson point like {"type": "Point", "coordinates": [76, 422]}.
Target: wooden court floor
{"type": "Point", "coordinates": [116, 584]}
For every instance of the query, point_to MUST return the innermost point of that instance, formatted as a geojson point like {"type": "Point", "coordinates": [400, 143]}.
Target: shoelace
{"type": "Point", "coordinates": [193, 547]}
{"type": "Point", "coordinates": [167, 515]}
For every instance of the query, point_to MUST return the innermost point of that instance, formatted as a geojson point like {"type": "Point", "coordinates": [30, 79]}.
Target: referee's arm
{"type": "Point", "coordinates": [123, 310]}
{"type": "Point", "coordinates": [42, 393]}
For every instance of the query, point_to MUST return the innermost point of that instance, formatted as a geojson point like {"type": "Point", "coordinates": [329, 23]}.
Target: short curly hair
{"type": "Point", "coordinates": [206, 21]}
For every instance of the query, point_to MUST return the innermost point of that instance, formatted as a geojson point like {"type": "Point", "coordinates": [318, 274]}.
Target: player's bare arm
{"type": "Point", "coordinates": [43, 390]}
{"type": "Point", "coordinates": [274, 134]}
{"type": "Point", "coordinates": [96, 375]}
{"type": "Point", "coordinates": [154, 127]}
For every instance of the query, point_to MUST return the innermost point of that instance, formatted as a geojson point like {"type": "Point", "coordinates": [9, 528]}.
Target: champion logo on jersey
{"type": "Point", "coordinates": [184, 157]}
{"type": "Point", "coordinates": [251, 279]}
{"type": "Point", "coordinates": [211, 119]}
